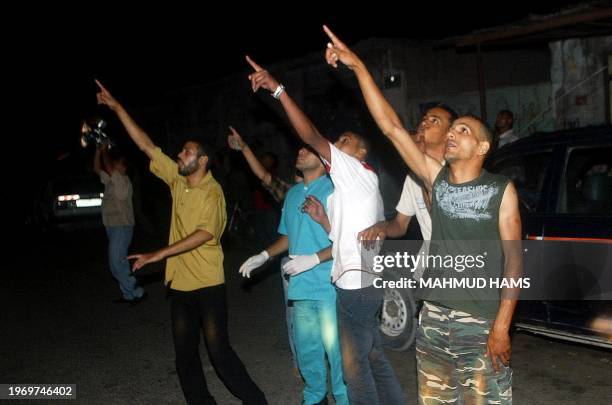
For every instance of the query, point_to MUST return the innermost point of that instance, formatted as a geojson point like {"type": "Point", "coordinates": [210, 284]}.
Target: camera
{"type": "Point", "coordinates": [92, 133]}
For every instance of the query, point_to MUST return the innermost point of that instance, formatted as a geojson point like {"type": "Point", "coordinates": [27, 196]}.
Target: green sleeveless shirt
{"type": "Point", "coordinates": [465, 222]}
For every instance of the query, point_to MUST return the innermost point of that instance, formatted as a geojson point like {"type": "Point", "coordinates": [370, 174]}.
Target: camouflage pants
{"type": "Point", "coordinates": [451, 363]}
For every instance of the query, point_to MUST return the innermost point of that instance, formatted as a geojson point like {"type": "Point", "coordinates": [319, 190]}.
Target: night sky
{"type": "Point", "coordinates": [142, 54]}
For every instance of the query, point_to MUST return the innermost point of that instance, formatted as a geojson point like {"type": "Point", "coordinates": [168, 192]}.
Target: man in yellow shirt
{"type": "Point", "coordinates": [194, 269]}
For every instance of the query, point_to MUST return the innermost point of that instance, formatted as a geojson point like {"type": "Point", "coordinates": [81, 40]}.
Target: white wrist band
{"type": "Point", "coordinates": [279, 90]}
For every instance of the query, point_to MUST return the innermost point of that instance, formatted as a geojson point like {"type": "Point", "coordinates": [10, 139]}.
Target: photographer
{"type": "Point", "coordinates": [118, 219]}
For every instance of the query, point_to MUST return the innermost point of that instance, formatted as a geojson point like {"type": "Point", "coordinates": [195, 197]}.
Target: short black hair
{"type": "Point", "coordinates": [453, 114]}
{"type": "Point", "coordinates": [508, 113]}
{"type": "Point", "coordinates": [364, 142]}
{"type": "Point", "coordinates": [485, 131]}
{"type": "Point", "coordinates": [204, 149]}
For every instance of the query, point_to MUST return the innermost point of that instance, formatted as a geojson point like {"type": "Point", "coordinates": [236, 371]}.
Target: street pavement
{"type": "Point", "coordinates": [60, 325]}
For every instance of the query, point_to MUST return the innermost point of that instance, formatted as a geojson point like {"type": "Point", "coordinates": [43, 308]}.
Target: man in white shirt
{"type": "Point", "coordinates": [414, 200]}
{"type": "Point", "coordinates": [503, 128]}
{"type": "Point", "coordinates": [431, 138]}
{"type": "Point", "coordinates": [355, 204]}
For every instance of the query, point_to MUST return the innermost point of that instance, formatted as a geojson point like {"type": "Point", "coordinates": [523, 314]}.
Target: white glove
{"type": "Point", "coordinates": [299, 264]}
{"type": "Point", "coordinates": [252, 263]}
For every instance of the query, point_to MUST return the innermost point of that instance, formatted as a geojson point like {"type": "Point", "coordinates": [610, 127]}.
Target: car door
{"type": "Point", "coordinates": [578, 233]}
{"type": "Point", "coordinates": [532, 172]}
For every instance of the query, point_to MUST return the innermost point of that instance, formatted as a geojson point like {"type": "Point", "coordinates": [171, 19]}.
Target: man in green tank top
{"type": "Point", "coordinates": [463, 342]}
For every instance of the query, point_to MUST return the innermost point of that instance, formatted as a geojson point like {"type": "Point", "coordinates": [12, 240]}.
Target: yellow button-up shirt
{"type": "Point", "coordinates": [193, 208]}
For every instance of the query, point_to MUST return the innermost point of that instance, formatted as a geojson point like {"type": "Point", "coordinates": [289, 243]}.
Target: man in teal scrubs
{"type": "Point", "coordinates": [315, 328]}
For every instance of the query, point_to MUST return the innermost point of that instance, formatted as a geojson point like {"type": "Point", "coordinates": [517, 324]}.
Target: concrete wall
{"type": "Point", "coordinates": [527, 102]}
{"type": "Point", "coordinates": [578, 76]}
{"type": "Point", "coordinates": [517, 80]}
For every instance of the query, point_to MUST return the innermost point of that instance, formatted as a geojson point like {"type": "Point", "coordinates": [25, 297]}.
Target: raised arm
{"type": "Point", "coordinates": [383, 113]}
{"type": "Point", "coordinates": [107, 163]}
{"type": "Point", "coordinates": [235, 142]}
{"type": "Point", "coordinates": [97, 164]}
{"type": "Point", "coordinates": [305, 129]}
{"type": "Point", "coordinates": [139, 136]}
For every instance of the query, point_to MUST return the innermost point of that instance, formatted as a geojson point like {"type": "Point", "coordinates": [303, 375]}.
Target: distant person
{"type": "Point", "coordinates": [504, 134]}
{"type": "Point", "coordinates": [118, 219]}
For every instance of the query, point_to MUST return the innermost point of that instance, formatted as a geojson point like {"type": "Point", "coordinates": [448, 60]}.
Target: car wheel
{"type": "Point", "coordinates": [398, 319]}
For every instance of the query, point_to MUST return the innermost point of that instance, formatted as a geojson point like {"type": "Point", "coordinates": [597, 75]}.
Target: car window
{"type": "Point", "coordinates": [586, 185]}
{"type": "Point", "coordinates": [528, 173]}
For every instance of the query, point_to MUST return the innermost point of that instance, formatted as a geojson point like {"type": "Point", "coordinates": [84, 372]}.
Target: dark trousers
{"type": "Point", "coordinates": [206, 309]}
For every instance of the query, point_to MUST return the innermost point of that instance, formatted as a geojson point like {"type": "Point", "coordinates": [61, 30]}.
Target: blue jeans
{"type": "Point", "coordinates": [368, 374]}
{"type": "Point", "coordinates": [315, 331]}
{"type": "Point", "coordinates": [119, 239]}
